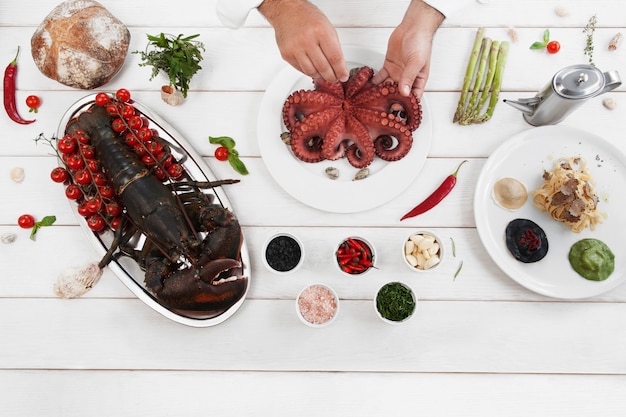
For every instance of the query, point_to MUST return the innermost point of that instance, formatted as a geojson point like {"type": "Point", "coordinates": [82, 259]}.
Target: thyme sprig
{"type": "Point", "coordinates": [179, 57]}
{"type": "Point", "coordinates": [589, 31]}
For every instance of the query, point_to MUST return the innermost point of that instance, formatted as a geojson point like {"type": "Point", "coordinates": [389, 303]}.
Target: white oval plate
{"type": "Point", "coordinates": [525, 157]}
{"type": "Point", "coordinates": [307, 182]}
{"type": "Point", "coordinates": [126, 269]}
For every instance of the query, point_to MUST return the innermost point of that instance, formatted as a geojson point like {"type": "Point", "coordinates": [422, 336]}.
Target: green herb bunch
{"type": "Point", "coordinates": [179, 57]}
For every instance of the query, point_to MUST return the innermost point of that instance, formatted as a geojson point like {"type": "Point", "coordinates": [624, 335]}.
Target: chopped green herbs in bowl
{"type": "Point", "coordinates": [395, 302]}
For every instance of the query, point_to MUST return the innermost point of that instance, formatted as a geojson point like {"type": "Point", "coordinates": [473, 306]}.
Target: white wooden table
{"type": "Point", "coordinates": [480, 344]}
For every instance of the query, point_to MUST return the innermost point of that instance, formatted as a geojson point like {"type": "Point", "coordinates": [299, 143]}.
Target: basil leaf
{"type": "Point", "coordinates": [538, 45]}
{"type": "Point", "coordinates": [237, 165]}
{"type": "Point", "coordinates": [224, 141]}
{"type": "Point", "coordinates": [47, 221]}
{"type": "Point", "coordinates": [546, 36]}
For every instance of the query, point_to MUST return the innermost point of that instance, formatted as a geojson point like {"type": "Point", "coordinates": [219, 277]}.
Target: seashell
{"type": "Point", "coordinates": [17, 174]}
{"type": "Point", "coordinates": [332, 173]}
{"type": "Point", "coordinates": [361, 174]}
{"type": "Point", "coordinates": [8, 237]}
{"type": "Point", "coordinates": [77, 281]}
{"type": "Point", "coordinates": [286, 137]}
{"type": "Point", "coordinates": [171, 96]}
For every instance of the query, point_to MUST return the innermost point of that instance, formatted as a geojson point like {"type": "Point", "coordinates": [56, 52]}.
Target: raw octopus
{"type": "Point", "coordinates": [356, 119]}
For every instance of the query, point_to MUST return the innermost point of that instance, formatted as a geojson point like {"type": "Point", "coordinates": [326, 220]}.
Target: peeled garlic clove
{"type": "Point", "coordinates": [412, 260]}
{"type": "Point", "coordinates": [432, 261]}
{"type": "Point", "coordinates": [17, 174]}
{"type": "Point", "coordinates": [409, 246]}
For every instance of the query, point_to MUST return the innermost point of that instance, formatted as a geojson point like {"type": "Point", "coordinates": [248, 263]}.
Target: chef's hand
{"type": "Point", "coordinates": [306, 39]}
{"type": "Point", "coordinates": [408, 52]}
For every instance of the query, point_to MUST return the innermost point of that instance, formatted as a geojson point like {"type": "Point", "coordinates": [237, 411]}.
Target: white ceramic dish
{"type": "Point", "coordinates": [525, 157]}
{"type": "Point", "coordinates": [126, 269]}
{"type": "Point", "coordinates": [307, 182]}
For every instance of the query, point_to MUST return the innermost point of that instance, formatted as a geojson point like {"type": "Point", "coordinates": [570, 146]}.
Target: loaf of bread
{"type": "Point", "coordinates": [80, 44]}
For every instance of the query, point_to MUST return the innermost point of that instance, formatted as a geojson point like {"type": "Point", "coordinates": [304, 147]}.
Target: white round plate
{"type": "Point", "coordinates": [307, 182]}
{"type": "Point", "coordinates": [525, 157]}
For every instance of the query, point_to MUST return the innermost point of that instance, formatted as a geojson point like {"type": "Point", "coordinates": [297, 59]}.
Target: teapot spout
{"type": "Point", "coordinates": [526, 106]}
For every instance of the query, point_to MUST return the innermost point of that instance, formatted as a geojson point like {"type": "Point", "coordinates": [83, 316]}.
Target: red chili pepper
{"type": "Point", "coordinates": [10, 106]}
{"type": "Point", "coordinates": [435, 198]}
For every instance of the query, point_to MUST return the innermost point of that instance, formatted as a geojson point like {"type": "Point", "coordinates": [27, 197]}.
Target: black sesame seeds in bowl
{"type": "Point", "coordinates": [283, 253]}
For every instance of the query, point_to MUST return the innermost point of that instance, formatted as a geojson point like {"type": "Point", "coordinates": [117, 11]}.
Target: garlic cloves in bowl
{"type": "Point", "coordinates": [171, 95]}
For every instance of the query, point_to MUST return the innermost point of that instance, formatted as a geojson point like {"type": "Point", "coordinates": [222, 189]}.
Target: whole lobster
{"type": "Point", "coordinates": [191, 253]}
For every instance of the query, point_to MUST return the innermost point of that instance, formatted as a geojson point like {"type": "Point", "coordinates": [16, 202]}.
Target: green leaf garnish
{"type": "Point", "coordinates": [224, 141]}
{"type": "Point", "coordinates": [538, 45]}
{"type": "Point", "coordinates": [237, 165]}
{"type": "Point", "coordinates": [46, 221]}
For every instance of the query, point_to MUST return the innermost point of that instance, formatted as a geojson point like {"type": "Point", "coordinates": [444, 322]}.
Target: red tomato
{"type": "Point", "coordinates": [33, 103]}
{"type": "Point", "coordinates": [128, 111]}
{"type": "Point", "coordinates": [122, 95]}
{"type": "Point", "coordinates": [115, 223]}
{"type": "Point", "coordinates": [112, 109]}
{"type": "Point", "coordinates": [159, 173]}
{"type": "Point", "coordinates": [73, 192]}
{"type": "Point", "coordinates": [113, 209]}
{"type": "Point", "coordinates": [83, 210]}
{"type": "Point", "coordinates": [130, 139]}
{"type": "Point", "coordinates": [553, 47]}
{"type": "Point", "coordinates": [99, 179]}
{"type": "Point", "coordinates": [81, 136]}
{"type": "Point", "coordinates": [175, 170]}
{"type": "Point", "coordinates": [135, 122]}
{"type": "Point", "coordinates": [94, 204]}
{"type": "Point", "coordinates": [74, 161]}
{"type": "Point", "coordinates": [59, 174]}
{"type": "Point", "coordinates": [87, 151]}
{"type": "Point", "coordinates": [144, 133]}
{"type": "Point", "coordinates": [93, 165]}
{"type": "Point", "coordinates": [102, 99]}
{"type": "Point", "coordinates": [118, 125]}
{"type": "Point", "coordinates": [82, 177]}
{"type": "Point", "coordinates": [106, 191]}
{"type": "Point", "coordinates": [66, 145]}
{"type": "Point", "coordinates": [221, 153]}
{"type": "Point", "coordinates": [26, 221]}
{"type": "Point", "coordinates": [96, 223]}
{"type": "Point", "coordinates": [148, 160]}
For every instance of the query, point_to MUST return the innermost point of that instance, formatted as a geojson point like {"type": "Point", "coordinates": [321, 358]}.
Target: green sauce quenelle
{"type": "Point", "coordinates": [592, 259]}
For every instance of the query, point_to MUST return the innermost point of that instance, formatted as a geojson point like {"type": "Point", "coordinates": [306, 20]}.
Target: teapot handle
{"type": "Point", "coordinates": [611, 81]}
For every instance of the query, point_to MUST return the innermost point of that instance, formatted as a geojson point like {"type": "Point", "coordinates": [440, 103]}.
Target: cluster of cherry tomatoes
{"type": "Point", "coordinates": [84, 179]}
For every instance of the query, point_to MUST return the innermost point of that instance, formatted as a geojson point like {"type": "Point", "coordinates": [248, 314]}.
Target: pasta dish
{"type": "Point", "coordinates": [567, 195]}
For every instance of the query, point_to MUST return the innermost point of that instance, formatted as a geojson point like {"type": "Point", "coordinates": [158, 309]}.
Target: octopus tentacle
{"type": "Point", "coordinates": [386, 97]}
{"type": "Point", "coordinates": [335, 89]}
{"type": "Point", "coordinates": [302, 103]}
{"type": "Point", "coordinates": [392, 137]}
{"type": "Point", "coordinates": [308, 134]}
{"type": "Point", "coordinates": [358, 81]}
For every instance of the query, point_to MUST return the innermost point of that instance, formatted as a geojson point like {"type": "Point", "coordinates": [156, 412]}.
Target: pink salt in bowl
{"type": "Point", "coordinates": [317, 305]}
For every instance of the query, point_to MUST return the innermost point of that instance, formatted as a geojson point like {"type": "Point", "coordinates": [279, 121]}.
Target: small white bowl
{"type": "Point", "coordinates": [317, 305]}
{"type": "Point", "coordinates": [422, 262]}
{"type": "Point", "coordinates": [387, 320]}
{"type": "Point", "coordinates": [281, 266]}
{"type": "Point", "coordinates": [355, 274]}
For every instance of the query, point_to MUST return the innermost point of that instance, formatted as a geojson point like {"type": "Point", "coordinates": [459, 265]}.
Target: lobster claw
{"type": "Point", "coordinates": [200, 292]}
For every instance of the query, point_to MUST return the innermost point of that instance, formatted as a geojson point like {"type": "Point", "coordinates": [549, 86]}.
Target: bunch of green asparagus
{"type": "Point", "coordinates": [483, 79]}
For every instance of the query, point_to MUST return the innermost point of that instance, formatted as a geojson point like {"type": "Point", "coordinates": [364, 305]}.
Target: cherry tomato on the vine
{"type": "Point", "coordinates": [96, 223]}
{"type": "Point", "coordinates": [553, 47]}
{"type": "Point", "coordinates": [122, 95]}
{"type": "Point", "coordinates": [118, 125]}
{"type": "Point", "coordinates": [175, 170]}
{"type": "Point", "coordinates": [82, 176]}
{"type": "Point", "coordinates": [59, 174]}
{"type": "Point", "coordinates": [66, 145]}
{"type": "Point", "coordinates": [221, 153]}
{"type": "Point", "coordinates": [33, 103]}
{"type": "Point", "coordinates": [102, 99]}
{"type": "Point", "coordinates": [113, 209]}
{"type": "Point", "coordinates": [26, 221]}
{"type": "Point", "coordinates": [73, 192]}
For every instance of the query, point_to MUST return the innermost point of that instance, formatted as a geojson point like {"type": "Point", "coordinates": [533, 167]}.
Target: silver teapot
{"type": "Point", "coordinates": [568, 89]}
